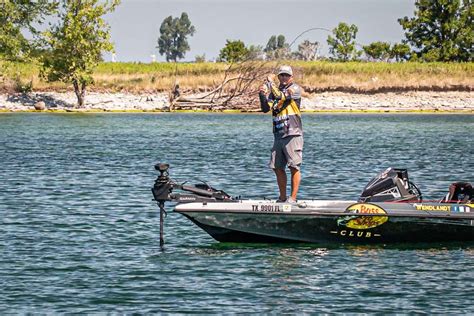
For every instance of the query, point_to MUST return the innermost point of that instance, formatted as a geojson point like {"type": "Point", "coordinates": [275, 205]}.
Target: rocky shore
{"type": "Point", "coordinates": [452, 101]}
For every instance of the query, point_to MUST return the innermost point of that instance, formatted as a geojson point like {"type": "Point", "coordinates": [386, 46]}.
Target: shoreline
{"type": "Point", "coordinates": [461, 102]}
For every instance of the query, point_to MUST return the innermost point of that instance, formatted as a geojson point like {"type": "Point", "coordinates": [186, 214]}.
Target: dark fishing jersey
{"type": "Point", "coordinates": [284, 102]}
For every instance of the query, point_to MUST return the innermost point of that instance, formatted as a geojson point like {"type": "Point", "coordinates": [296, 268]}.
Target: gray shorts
{"type": "Point", "coordinates": [287, 151]}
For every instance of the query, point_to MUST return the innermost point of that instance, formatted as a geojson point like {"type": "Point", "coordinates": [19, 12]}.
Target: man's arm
{"type": "Point", "coordinates": [264, 102]}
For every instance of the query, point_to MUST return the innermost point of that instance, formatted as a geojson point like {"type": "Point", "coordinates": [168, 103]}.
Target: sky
{"type": "Point", "coordinates": [135, 24]}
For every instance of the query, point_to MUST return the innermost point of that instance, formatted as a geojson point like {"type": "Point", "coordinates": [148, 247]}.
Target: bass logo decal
{"type": "Point", "coordinates": [363, 221]}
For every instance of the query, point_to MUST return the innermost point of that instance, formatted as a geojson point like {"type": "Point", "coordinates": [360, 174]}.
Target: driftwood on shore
{"type": "Point", "coordinates": [237, 90]}
{"type": "Point", "coordinates": [246, 103]}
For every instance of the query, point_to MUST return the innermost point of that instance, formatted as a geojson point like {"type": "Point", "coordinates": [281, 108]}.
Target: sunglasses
{"type": "Point", "coordinates": [285, 75]}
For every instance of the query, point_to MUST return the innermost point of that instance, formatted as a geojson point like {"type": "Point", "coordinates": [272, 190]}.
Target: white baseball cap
{"type": "Point", "coordinates": [285, 69]}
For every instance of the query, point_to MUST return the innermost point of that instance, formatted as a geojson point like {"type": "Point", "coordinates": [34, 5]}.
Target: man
{"type": "Point", "coordinates": [284, 102]}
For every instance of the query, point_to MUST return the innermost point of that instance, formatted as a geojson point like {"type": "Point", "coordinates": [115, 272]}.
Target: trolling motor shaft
{"type": "Point", "coordinates": [162, 193]}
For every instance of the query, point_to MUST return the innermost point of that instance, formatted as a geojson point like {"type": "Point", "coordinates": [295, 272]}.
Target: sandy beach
{"type": "Point", "coordinates": [452, 101]}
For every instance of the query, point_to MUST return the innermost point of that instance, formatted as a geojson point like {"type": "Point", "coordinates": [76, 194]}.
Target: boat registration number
{"type": "Point", "coordinates": [271, 208]}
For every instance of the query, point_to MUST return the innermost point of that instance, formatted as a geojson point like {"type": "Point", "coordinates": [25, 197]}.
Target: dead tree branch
{"type": "Point", "coordinates": [238, 88]}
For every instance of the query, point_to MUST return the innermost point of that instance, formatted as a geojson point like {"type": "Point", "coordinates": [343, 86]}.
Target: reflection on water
{"type": "Point", "coordinates": [80, 232]}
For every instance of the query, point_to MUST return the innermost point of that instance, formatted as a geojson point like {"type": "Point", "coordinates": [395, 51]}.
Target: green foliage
{"type": "Point", "coordinates": [275, 42]}
{"type": "Point", "coordinates": [377, 51]}
{"type": "Point", "coordinates": [255, 52]}
{"type": "Point", "coordinates": [343, 46]}
{"type": "Point", "coordinates": [233, 51]}
{"type": "Point", "coordinates": [442, 30]}
{"type": "Point", "coordinates": [22, 87]}
{"type": "Point", "coordinates": [400, 51]}
{"type": "Point", "coordinates": [17, 16]}
{"type": "Point", "coordinates": [277, 48]}
{"type": "Point", "coordinates": [77, 43]}
{"type": "Point", "coordinates": [173, 41]}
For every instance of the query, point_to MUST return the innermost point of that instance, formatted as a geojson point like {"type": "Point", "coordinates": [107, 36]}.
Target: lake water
{"type": "Point", "coordinates": [79, 232]}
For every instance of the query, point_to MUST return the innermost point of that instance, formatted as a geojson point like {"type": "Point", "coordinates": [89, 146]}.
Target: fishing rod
{"type": "Point", "coordinates": [278, 60]}
{"type": "Point", "coordinates": [306, 31]}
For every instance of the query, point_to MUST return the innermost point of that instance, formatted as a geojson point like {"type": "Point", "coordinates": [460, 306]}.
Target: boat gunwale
{"type": "Point", "coordinates": [419, 214]}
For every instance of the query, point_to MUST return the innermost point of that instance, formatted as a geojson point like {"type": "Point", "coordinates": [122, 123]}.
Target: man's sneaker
{"type": "Point", "coordinates": [280, 201]}
{"type": "Point", "coordinates": [290, 200]}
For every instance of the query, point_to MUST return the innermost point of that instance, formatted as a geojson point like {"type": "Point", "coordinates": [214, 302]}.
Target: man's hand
{"type": "Point", "coordinates": [264, 89]}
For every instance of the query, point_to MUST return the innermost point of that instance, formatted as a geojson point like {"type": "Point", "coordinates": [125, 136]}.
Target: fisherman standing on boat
{"type": "Point", "coordinates": [284, 101]}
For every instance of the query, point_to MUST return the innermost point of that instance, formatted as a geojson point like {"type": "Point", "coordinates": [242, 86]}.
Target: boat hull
{"type": "Point", "coordinates": [332, 222]}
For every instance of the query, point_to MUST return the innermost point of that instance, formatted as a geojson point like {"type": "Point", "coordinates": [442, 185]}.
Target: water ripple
{"type": "Point", "coordinates": [80, 232]}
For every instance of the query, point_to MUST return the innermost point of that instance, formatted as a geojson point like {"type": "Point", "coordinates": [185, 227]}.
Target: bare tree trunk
{"type": "Point", "coordinates": [174, 95]}
{"type": "Point", "coordinates": [80, 92]}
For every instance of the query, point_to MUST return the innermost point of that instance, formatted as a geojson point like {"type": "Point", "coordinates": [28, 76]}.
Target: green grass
{"type": "Point", "coordinates": [319, 75]}
{"type": "Point", "coordinates": [332, 68]}
{"type": "Point", "coordinates": [322, 67]}
{"type": "Point", "coordinates": [162, 68]}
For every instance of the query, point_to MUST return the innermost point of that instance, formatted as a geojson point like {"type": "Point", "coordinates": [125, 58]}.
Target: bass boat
{"type": "Point", "coordinates": [389, 210]}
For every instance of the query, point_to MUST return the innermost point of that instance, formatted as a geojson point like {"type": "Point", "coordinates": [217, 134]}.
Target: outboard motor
{"type": "Point", "coordinates": [459, 192]}
{"type": "Point", "coordinates": [391, 185]}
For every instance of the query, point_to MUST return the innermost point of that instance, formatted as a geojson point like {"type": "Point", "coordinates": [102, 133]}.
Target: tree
{"type": "Point", "coordinates": [255, 52]}
{"type": "Point", "coordinates": [77, 43]}
{"type": "Point", "coordinates": [271, 44]}
{"type": "Point", "coordinates": [307, 50]}
{"type": "Point", "coordinates": [277, 48]}
{"type": "Point", "coordinates": [342, 45]}
{"type": "Point", "coordinates": [441, 30]}
{"type": "Point", "coordinates": [17, 16]}
{"type": "Point", "coordinates": [233, 51]}
{"type": "Point", "coordinates": [200, 58]}
{"type": "Point", "coordinates": [466, 33]}
{"type": "Point", "coordinates": [400, 51]}
{"type": "Point", "coordinates": [173, 41]}
{"type": "Point", "coordinates": [377, 51]}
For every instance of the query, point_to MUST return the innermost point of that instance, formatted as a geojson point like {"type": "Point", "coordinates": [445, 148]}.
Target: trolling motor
{"type": "Point", "coordinates": [163, 185]}
{"type": "Point", "coordinates": [163, 192]}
